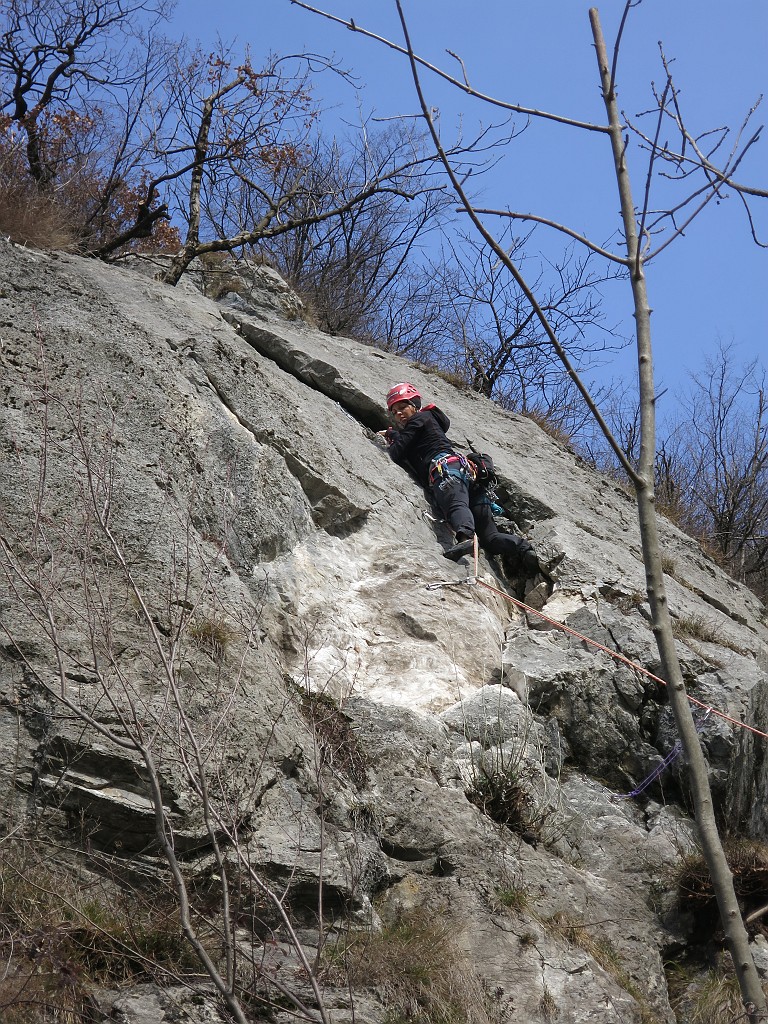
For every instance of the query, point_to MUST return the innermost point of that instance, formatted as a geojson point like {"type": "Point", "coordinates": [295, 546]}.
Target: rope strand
{"type": "Point", "coordinates": [475, 581]}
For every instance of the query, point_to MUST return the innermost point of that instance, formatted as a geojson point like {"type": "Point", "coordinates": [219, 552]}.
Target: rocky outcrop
{"type": "Point", "coordinates": [212, 571]}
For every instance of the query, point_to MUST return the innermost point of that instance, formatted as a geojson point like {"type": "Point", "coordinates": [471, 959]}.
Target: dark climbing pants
{"type": "Point", "coordinates": [517, 553]}
{"type": "Point", "coordinates": [468, 511]}
{"type": "Point", "coordinates": [451, 495]}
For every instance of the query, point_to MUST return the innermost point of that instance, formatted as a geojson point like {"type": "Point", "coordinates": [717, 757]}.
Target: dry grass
{"type": "Point", "coordinates": [449, 376]}
{"type": "Point", "coordinates": [31, 219]}
{"type": "Point", "coordinates": [709, 998]}
{"type": "Point", "coordinates": [220, 275]}
{"type": "Point", "coordinates": [212, 635]}
{"type": "Point", "coordinates": [505, 796]}
{"type": "Point", "coordinates": [334, 734]}
{"type": "Point", "coordinates": [550, 428]}
{"type": "Point", "coordinates": [668, 566]}
{"type": "Point", "coordinates": [576, 933]}
{"type": "Point", "coordinates": [548, 1006]}
{"type": "Point", "coordinates": [626, 602]}
{"type": "Point", "coordinates": [61, 935]}
{"type": "Point", "coordinates": [418, 971]}
{"type": "Point", "coordinates": [697, 627]}
{"type": "Point", "coordinates": [747, 859]}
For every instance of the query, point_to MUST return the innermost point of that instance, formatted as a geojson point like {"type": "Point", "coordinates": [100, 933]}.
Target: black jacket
{"type": "Point", "coordinates": [420, 441]}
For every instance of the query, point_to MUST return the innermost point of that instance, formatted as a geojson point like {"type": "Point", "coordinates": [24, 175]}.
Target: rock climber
{"type": "Point", "coordinates": [420, 444]}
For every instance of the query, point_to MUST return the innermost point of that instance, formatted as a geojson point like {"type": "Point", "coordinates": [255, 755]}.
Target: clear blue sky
{"type": "Point", "coordinates": [710, 285]}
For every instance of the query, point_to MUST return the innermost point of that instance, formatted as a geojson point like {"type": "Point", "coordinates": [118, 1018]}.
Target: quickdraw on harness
{"type": "Point", "coordinates": [451, 464]}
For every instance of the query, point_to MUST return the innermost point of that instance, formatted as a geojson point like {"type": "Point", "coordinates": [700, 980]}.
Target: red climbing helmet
{"type": "Point", "coordinates": [404, 392]}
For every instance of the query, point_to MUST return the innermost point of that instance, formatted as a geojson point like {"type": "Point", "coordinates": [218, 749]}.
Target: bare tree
{"type": "Point", "coordinates": [505, 352]}
{"type": "Point", "coordinates": [703, 182]}
{"type": "Point", "coordinates": [53, 56]}
{"type": "Point", "coordinates": [493, 340]}
{"type": "Point", "coordinates": [410, 319]}
{"type": "Point", "coordinates": [348, 267]}
{"type": "Point", "coordinates": [711, 472]}
{"type": "Point", "coordinates": [238, 162]}
{"type": "Point", "coordinates": [74, 79]}
{"type": "Point", "coordinates": [133, 143]}
{"type": "Point", "coordinates": [723, 435]}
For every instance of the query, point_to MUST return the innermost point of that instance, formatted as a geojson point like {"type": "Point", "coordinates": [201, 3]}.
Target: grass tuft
{"type": "Point", "coordinates": [505, 797]}
{"type": "Point", "coordinates": [712, 997]}
{"type": "Point", "coordinates": [214, 636]}
{"type": "Point", "coordinates": [418, 970]}
{"type": "Point", "coordinates": [668, 566]}
{"type": "Point", "coordinates": [513, 898]}
{"type": "Point", "coordinates": [697, 627]}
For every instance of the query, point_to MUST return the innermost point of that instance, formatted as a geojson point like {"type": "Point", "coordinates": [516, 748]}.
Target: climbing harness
{"type": "Point", "coordinates": [451, 464]}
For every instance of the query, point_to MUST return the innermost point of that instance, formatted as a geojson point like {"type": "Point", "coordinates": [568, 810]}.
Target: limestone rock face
{"type": "Point", "coordinates": [217, 626]}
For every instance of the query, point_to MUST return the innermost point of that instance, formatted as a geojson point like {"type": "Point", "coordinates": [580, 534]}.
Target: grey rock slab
{"type": "Point", "coordinates": [153, 1004]}
{"type": "Point", "coordinates": [239, 465]}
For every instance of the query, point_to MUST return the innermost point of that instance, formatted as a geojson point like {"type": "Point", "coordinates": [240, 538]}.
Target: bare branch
{"type": "Point", "coordinates": [649, 174]}
{"type": "Point", "coordinates": [617, 45]}
{"type": "Point", "coordinates": [606, 253]}
{"type": "Point", "coordinates": [459, 83]}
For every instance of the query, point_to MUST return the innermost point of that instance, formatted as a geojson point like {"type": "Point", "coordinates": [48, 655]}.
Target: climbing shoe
{"type": "Point", "coordinates": [464, 547]}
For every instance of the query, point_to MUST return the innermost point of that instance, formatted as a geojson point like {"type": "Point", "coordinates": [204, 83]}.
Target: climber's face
{"type": "Point", "coordinates": [402, 411]}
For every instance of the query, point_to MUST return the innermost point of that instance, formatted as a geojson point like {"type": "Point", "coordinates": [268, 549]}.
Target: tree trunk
{"type": "Point", "coordinates": [712, 848]}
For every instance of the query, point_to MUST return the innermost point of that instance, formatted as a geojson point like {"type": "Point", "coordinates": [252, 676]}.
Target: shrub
{"type": "Point", "coordinates": [61, 937]}
{"type": "Point", "coordinates": [505, 797]}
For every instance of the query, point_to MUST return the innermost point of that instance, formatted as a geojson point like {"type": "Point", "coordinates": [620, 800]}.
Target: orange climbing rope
{"type": "Point", "coordinates": [475, 581]}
